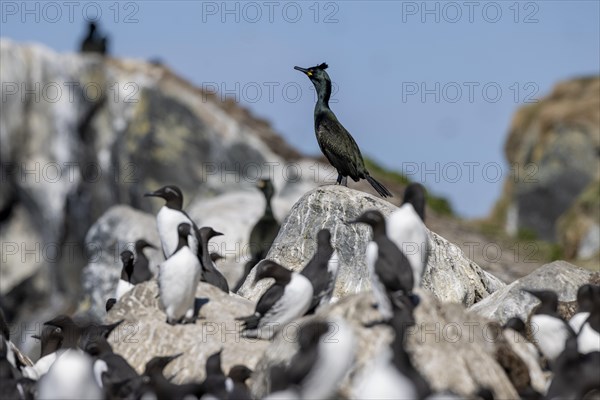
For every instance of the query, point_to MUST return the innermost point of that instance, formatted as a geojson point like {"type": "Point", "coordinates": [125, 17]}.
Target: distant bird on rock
{"type": "Point", "coordinates": [588, 298]}
{"type": "Point", "coordinates": [321, 270]}
{"type": "Point", "coordinates": [210, 273]}
{"type": "Point", "coordinates": [335, 141]}
{"type": "Point", "coordinates": [263, 233]}
{"type": "Point", "coordinates": [287, 299]}
{"type": "Point", "coordinates": [406, 228]}
{"type": "Point", "coordinates": [94, 42]}
{"type": "Point", "coordinates": [124, 285]}
{"type": "Point", "coordinates": [141, 264]}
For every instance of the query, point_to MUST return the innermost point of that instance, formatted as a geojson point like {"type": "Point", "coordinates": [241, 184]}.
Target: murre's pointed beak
{"type": "Point", "coordinates": [151, 194]}
{"type": "Point", "coordinates": [305, 70]}
{"type": "Point", "coordinates": [215, 233]}
{"type": "Point", "coordinates": [36, 337]}
{"type": "Point", "coordinates": [173, 357]}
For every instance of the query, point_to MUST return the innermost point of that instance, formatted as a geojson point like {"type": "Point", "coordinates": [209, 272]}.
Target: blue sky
{"type": "Point", "coordinates": [425, 87]}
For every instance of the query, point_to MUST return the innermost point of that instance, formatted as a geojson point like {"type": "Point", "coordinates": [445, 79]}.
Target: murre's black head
{"type": "Point", "coordinates": [171, 194]}
{"type": "Point", "coordinates": [127, 259]}
{"type": "Point", "coordinates": [374, 219]}
{"type": "Point", "coordinates": [213, 364]}
{"type": "Point", "coordinates": [97, 346]}
{"type": "Point", "coordinates": [62, 321]}
{"type": "Point", "coordinates": [587, 297]}
{"type": "Point", "coordinates": [158, 364]}
{"type": "Point", "coordinates": [317, 74]}
{"type": "Point", "coordinates": [415, 195]}
{"type": "Point", "coordinates": [310, 334]}
{"type": "Point", "coordinates": [270, 269]}
{"type": "Point", "coordinates": [266, 186]}
{"type": "Point", "coordinates": [517, 325]}
{"type": "Point", "coordinates": [548, 299]}
{"type": "Point", "coordinates": [69, 329]}
{"type": "Point", "coordinates": [207, 233]}
{"type": "Point", "coordinates": [51, 339]}
{"type": "Point", "coordinates": [324, 236]}
{"type": "Point", "coordinates": [110, 303]}
{"type": "Point", "coordinates": [240, 373]}
{"type": "Point", "coordinates": [141, 244]}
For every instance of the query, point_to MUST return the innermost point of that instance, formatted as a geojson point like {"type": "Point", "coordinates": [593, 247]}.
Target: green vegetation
{"type": "Point", "coordinates": [526, 234]}
{"type": "Point", "coordinates": [439, 204]}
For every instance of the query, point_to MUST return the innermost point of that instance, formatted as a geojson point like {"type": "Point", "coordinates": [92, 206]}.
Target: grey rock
{"type": "Point", "coordinates": [510, 301]}
{"type": "Point", "coordinates": [453, 349]}
{"type": "Point", "coordinates": [553, 151]}
{"type": "Point", "coordinates": [145, 333]}
{"type": "Point", "coordinates": [115, 231]}
{"type": "Point", "coordinates": [449, 275]}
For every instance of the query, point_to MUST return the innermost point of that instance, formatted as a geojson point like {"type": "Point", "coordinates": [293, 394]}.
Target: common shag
{"type": "Point", "coordinates": [335, 141]}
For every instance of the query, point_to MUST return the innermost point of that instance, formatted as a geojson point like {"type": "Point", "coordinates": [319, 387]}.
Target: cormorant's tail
{"type": "Point", "coordinates": [383, 192]}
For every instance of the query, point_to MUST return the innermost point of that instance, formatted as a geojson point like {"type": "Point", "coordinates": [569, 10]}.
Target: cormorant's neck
{"type": "Point", "coordinates": [323, 95]}
{"type": "Point", "coordinates": [268, 208]}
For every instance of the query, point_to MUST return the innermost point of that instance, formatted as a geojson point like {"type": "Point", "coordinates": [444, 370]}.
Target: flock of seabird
{"type": "Point", "coordinates": [77, 361]}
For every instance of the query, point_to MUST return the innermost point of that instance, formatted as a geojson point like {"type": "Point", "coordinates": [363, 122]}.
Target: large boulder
{"type": "Point", "coordinates": [145, 333]}
{"type": "Point", "coordinates": [450, 275]}
{"type": "Point", "coordinates": [511, 300]}
{"type": "Point", "coordinates": [453, 349]}
{"type": "Point", "coordinates": [554, 151]}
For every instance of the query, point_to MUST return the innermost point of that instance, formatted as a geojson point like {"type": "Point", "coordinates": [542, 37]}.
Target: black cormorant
{"type": "Point", "coordinates": [334, 140]}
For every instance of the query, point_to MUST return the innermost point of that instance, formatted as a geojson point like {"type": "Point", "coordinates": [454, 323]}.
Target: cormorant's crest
{"type": "Point", "coordinates": [322, 66]}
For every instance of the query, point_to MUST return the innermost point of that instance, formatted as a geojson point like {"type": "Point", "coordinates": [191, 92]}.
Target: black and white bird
{"type": "Point", "coordinates": [391, 375]}
{"type": "Point", "coordinates": [406, 228]}
{"type": "Point", "coordinates": [587, 297]}
{"type": "Point", "coordinates": [178, 278]}
{"type": "Point", "coordinates": [287, 299]}
{"type": "Point", "coordinates": [390, 271]}
{"type": "Point", "coordinates": [51, 340]}
{"type": "Point", "coordinates": [550, 331]}
{"type": "Point", "coordinates": [141, 265]}
{"type": "Point", "coordinates": [325, 356]}
{"type": "Point", "coordinates": [110, 369]}
{"type": "Point", "coordinates": [210, 273]}
{"type": "Point", "coordinates": [169, 217]}
{"type": "Point", "coordinates": [236, 382]}
{"type": "Point", "coordinates": [159, 387]}
{"type": "Point", "coordinates": [322, 270]}
{"type": "Point", "coordinates": [588, 339]}
{"type": "Point", "coordinates": [124, 285]}
{"type": "Point", "coordinates": [575, 375]}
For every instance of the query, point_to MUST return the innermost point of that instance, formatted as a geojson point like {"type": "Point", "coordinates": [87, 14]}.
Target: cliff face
{"type": "Point", "coordinates": [81, 133]}
{"type": "Point", "coordinates": [554, 148]}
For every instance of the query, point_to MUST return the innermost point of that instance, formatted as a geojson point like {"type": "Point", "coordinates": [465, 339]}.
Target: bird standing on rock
{"type": "Point", "coordinates": [287, 299]}
{"type": "Point", "coordinates": [335, 141]}
{"type": "Point", "coordinates": [406, 228]}
{"type": "Point", "coordinates": [178, 277]}
{"type": "Point", "coordinates": [141, 265]}
{"type": "Point", "coordinates": [210, 273]}
{"type": "Point", "coordinates": [321, 270]}
{"type": "Point", "coordinates": [390, 270]}
{"type": "Point", "coordinates": [550, 331]}
{"type": "Point", "coordinates": [124, 285]}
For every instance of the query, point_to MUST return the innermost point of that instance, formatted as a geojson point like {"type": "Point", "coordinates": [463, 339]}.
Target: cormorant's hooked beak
{"type": "Point", "coordinates": [305, 70]}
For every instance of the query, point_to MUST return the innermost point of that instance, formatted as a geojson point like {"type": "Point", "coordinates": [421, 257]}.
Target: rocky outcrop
{"type": "Point", "coordinates": [81, 133]}
{"type": "Point", "coordinates": [449, 275]}
{"type": "Point", "coordinates": [510, 301]}
{"type": "Point", "coordinates": [554, 151]}
{"type": "Point", "coordinates": [145, 333]}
